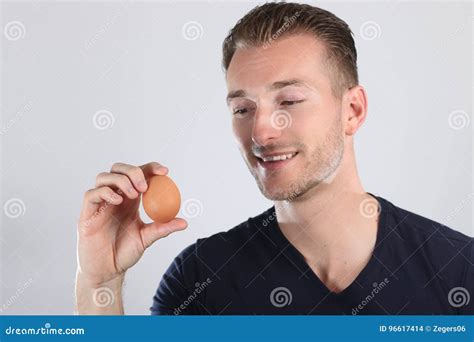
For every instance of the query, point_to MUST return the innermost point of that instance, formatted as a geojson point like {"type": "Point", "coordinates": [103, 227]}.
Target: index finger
{"type": "Point", "coordinates": [139, 175]}
{"type": "Point", "coordinates": [152, 169]}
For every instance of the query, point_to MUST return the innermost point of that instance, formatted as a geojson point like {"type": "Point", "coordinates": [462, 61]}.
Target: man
{"type": "Point", "coordinates": [326, 246]}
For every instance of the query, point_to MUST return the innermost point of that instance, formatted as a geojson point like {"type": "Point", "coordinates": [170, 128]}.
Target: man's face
{"type": "Point", "coordinates": [286, 120]}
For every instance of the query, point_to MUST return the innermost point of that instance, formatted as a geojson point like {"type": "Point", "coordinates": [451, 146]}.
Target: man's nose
{"type": "Point", "coordinates": [264, 128]}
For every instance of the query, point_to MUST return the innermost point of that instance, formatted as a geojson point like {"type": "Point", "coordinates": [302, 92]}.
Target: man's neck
{"type": "Point", "coordinates": [329, 228]}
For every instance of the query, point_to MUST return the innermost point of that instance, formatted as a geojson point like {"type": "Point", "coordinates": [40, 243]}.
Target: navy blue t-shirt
{"type": "Point", "coordinates": [418, 266]}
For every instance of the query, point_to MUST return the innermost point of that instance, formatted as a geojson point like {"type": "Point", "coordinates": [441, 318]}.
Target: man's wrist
{"type": "Point", "coordinates": [99, 298]}
{"type": "Point", "coordinates": [114, 283]}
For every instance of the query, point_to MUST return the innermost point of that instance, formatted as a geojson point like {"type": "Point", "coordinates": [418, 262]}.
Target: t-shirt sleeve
{"type": "Point", "coordinates": [171, 297]}
{"type": "Point", "coordinates": [468, 296]}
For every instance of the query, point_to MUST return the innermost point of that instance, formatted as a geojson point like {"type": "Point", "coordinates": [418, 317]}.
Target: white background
{"type": "Point", "coordinates": [166, 93]}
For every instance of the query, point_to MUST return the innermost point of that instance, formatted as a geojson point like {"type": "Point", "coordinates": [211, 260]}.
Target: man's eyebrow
{"type": "Point", "coordinates": [274, 86]}
{"type": "Point", "coordinates": [234, 94]}
{"type": "Point", "coordinates": [286, 83]}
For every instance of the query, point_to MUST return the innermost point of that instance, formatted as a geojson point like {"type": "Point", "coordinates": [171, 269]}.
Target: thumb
{"type": "Point", "coordinates": [157, 230]}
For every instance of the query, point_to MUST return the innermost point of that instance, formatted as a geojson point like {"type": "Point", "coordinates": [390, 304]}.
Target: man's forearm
{"type": "Point", "coordinates": [98, 299]}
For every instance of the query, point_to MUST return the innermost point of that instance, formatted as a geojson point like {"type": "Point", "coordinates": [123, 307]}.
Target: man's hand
{"type": "Point", "coordinates": [111, 235]}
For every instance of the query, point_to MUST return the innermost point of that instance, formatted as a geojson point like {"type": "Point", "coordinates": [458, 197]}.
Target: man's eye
{"type": "Point", "coordinates": [240, 111]}
{"type": "Point", "coordinates": [289, 103]}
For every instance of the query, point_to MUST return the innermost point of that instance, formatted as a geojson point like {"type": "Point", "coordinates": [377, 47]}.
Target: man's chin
{"type": "Point", "coordinates": [277, 192]}
{"type": "Point", "coordinates": [275, 197]}
{"type": "Point", "coordinates": [277, 186]}
{"type": "Point", "coordinates": [288, 190]}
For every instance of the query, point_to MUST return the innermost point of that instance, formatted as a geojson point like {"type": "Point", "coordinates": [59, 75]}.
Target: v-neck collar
{"type": "Point", "coordinates": [362, 278]}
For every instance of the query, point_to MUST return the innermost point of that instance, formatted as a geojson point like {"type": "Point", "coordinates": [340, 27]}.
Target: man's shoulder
{"type": "Point", "coordinates": [423, 241]}
{"type": "Point", "coordinates": [412, 225]}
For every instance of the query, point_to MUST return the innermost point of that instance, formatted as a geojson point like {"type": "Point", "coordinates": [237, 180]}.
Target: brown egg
{"type": "Point", "coordinates": [162, 199]}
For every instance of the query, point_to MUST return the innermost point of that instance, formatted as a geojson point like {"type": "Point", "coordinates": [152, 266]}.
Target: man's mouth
{"type": "Point", "coordinates": [275, 161]}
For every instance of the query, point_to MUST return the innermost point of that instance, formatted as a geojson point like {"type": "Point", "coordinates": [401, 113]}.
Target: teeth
{"type": "Point", "coordinates": [280, 157]}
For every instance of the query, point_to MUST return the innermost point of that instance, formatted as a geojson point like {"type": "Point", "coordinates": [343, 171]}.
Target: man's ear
{"type": "Point", "coordinates": [355, 104]}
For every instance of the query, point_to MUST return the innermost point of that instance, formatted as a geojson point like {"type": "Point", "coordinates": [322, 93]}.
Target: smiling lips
{"type": "Point", "coordinates": [275, 161]}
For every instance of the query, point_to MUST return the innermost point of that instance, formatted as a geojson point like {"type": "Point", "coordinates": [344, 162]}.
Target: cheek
{"type": "Point", "coordinates": [305, 124]}
{"type": "Point", "coordinates": [313, 120]}
{"type": "Point", "coordinates": [307, 131]}
{"type": "Point", "coordinates": [241, 130]}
